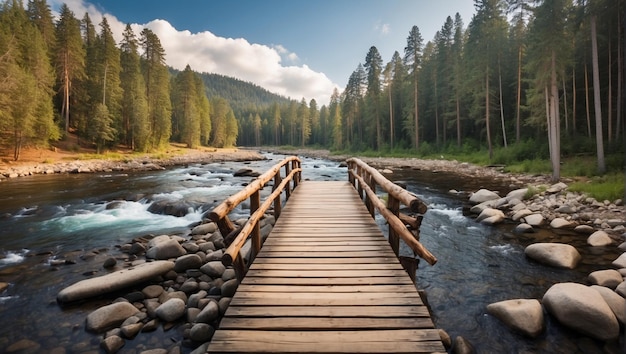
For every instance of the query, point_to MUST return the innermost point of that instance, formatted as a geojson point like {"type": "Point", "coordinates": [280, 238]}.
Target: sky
{"type": "Point", "coordinates": [295, 48]}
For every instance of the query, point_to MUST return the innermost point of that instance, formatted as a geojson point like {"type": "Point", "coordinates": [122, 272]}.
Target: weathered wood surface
{"type": "Point", "coordinates": [326, 281]}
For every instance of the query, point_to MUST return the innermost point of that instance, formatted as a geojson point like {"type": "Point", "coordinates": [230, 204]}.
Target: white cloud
{"type": "Point", "coordinates": [236, 57]}
{"type": "Point", "coordinates": [382, 28]}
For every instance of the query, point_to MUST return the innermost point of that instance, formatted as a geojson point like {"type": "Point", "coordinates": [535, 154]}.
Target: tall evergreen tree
{"type": "Point", "coordinates": [304, 120]}
{"type": "Point", "coordinates": [412, 59]}
{"type": "Point", "coordinates": [185, 110]}
{"type": "Point", "coordinates": [70, 59]}
{"type": "Point", "coordinates": [374, 68]}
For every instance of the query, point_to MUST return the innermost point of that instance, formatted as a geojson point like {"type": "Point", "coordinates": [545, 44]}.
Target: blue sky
{"type": "Point", "coordinates": [297, 48]}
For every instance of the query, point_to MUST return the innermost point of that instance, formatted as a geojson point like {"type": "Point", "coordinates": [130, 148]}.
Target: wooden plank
{"type": "Point", "coordinates": [324, 273]}
{"type": "Point", "coordinates": [320, 260]}
{"type": "Point", "coordinates": [400, 280]}
{"type": "Point", "coordinates": [310, 254]}
{"type": "Point", "coordinates": [331, 266]}
{"type": "Point", "coordinates": [364, 289]}
{"type": "Point", "coordinates": [384, 311]}
{"type": "Point", "coordinates": [320, 323]}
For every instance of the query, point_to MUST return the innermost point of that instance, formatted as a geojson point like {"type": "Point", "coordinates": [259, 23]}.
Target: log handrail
{"type": "Point", "coordinates": [367, 178]}
{"type": "Point", "coordinates": [236, 238]}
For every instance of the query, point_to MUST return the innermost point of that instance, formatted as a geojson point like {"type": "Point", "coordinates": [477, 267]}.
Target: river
{"type": "Point", "coordinates": [56, 230]}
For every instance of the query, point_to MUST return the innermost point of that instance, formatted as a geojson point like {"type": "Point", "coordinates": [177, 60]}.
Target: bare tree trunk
{"type": "Point", "coordinates": [501, 106]}
{"type": "Point", "coordinates": [417, 135]}
{"type": "Point", "coordinates": [565, 105]}
{"type": "Point", "coordinates": [519, 95]}
{"type": "Point", "coordinates": [458, 120]}
{"type": "Point", "coordinates": [574, 100]}
{"type": "Point", "coordinates": [620, 77]}
{"type": "Point", "coordinates": [487, 113]}
{"type": "Point", "coordinates": [587, 102]}
{"type": "Point", "coordinates": [596, 97]}
{"type": "Point", "coordinates": [553, 128]}
{"type": "Point", "coordinates": [610, 98]}
{"type": "Point", "coordinates": [390, 120]}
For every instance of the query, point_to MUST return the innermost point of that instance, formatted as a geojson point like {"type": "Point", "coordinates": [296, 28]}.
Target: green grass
{"type": "Point", "coordinates": [608, 187]}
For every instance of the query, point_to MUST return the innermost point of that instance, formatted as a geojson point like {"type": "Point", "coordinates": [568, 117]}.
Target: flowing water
{"type": "Point", "coordinates": [56, 230]}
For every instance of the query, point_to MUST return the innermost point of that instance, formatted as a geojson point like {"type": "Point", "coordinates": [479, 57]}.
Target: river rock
{"type": "Point", "coordinates": [229, 288]}
{"type": "Point", "coordinates": [214, 269]}
{"type": "Point", "coordinates": [114, 281]}
{"type": "Point", "coordinates": [521, 214]}
{"type": "Point", "coordinates": [620, 262]}
{"type": "Point", "coordinates": [490, 216]}
{"type": "Point", "coordinates": [3, 286]}
{"type": "Point", "coordinates": [561, 223]}
{"type": "Point", "coordinates": [534, 219]}
{"type": "Point", "coordinates": [203, 229]}
{"type": "Point", "coordinates": [519, 194]}
{"type": "Point", "coordinates": [165, 250]}
{"type": "Point", "coordinates": [583, 309]}
{"type": "Point", "coordinates": [584, 229]}
{"type": "Point", "coordinates": [614, 300]}
{"type": "Point", "coordinates": [621, 289]}
{"type": "Point", "coordinates": [523, 228]}
{"type": "Point", "coordinates": [554, 254]}
{"type": "Point", "coordinates": [462, 346]}
{"type": "Point", "coordinates": [189, 261]}
{"type": "Point", "coordinates": [201, 332]}
{"type": "Point", "coordinates": [522, 315]}
{"type": "Point", "coordinates": [152, 291]}
{"type": "Point", "coordinates": [209, 313]}
{"type": "Point", "coordinates": [112, 344]}
{"type": "Point", "coordinates": [171, 310]}
{"type": "Point", "coordinates": [478, 208]}
{"type": "Point", "coordinates": [109, 263]}
{"type": "Point", "coordinates": [483, 195]}
{"type": "Point", "coordinates": [609, 278]}
{"type": "Point", "coordinates": [24, 346]}
{"type": "Point", "coordinates": [109, 316]}
{"type": "Point", "coordinates": [599, 239]}
{"type": "Point", "coordinates": [556, 188]}
{"type": "Point", "coordinates": [246, 172]}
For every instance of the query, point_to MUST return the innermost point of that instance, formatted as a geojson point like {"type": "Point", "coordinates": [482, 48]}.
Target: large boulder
{"type": "Point", "coordinates": [519, 194]}
{"type": "Point", "coordinates": [171, 310]}
{"type": "Point", "coordinates": [554, 254]}
{"type": "Point", "coordinates": [483, 195]}
{"type": "Point", "coordinates": [189, 261]}
{"type": "Point", "coordinates": [522, 315]}
{"type": "Point", "coordinates": [561, 223]}
{"type": "Point", "coordinates": [583, 309]}
{"type": "Point", "coordinates": [534, 219]}
{"type": "Point", "coordinates": [491, 216]}
{"type": "Point", "coordinates": [121, 279]}
{"type": "Point", "coordinates": [109, 316]}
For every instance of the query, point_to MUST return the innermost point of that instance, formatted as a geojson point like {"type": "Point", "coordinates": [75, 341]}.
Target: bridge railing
{"type": "Point", "coordinates": [235, 238]}
{"type": "Point", "coordinates": [365, 179]}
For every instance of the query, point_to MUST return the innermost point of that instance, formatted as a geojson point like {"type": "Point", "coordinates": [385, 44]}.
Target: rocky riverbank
{"type": "Point", "coordinates": [73, 163]}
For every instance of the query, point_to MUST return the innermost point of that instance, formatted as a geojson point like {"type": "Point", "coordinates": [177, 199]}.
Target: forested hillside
{"type": "Point", "coordinates": [537, 78]}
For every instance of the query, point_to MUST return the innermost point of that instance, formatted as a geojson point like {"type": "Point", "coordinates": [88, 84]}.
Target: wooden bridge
{"type": "Point", "coordinates": [326, 280]}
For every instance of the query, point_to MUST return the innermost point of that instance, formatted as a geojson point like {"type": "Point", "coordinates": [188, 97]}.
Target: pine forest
{"type": "Point", "coordinates": [521, 79]}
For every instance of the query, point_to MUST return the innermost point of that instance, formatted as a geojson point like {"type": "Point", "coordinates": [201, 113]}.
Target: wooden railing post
{"type": "Point", "coordinates": [288, 189]}
{"type": "Point", "coordinates": [255, 202]}
{"type": "Point", "coordinates": [393, 205]}
{"type": "Point", "coordinates": [277, 202]}
{"type": "Point", "coordinates": [370, 203]}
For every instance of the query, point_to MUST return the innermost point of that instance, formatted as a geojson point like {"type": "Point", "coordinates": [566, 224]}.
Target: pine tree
{"type": "Point", "coordinates": [70, 59]}
{"type": "Point", "coordinates": [134, 108]}
{"type": "Point", "coordinates": [304, 120]}
{"type": "Point", "coordinates": [374, 68]}
{"type": "Point", "coordinates": [412, 59]}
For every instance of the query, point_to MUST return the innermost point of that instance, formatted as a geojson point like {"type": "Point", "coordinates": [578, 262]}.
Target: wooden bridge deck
{"type": "Point", "coordinates": [326, 281]}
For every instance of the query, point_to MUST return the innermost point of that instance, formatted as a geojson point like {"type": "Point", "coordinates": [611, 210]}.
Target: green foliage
{"type": "Point", "coordinates": [609, 187]}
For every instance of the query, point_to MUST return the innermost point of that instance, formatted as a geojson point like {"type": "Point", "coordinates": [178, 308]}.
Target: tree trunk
{"type": "Point", "coordinates": [502, 106]}
{"type": "Point", "coordinates": [390, 120]}
{"type": "Point", "coordinates": [587, 108]}
{"type": "Point", "coordinates": [519, 95]}
{"type": "Point", "coordinates": [610, 97]}
{"type": "Point", "coordinates": [565, 105]}
{"type": "Point", "coordinates": [487, 113]}
{"type": "Point", "coordinates": [574, 100]}
{"type": "Point", "coordinates": [553, 128]}
{"type": "Point", "coordinates": [596, 97]}
{"type": "Point", "coordinates": [458, 119]}
{"type": "Point", "coordinates": [417, 135]}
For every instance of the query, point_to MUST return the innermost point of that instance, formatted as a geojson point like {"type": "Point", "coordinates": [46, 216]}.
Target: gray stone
{"type": "Point", "coordinates": [214, 269]}
{"type": "Point", "coordinates": [189, 286]}
{"type": "Point", "coordinates": [171, 310]}
{"type": "Point", "coordinates": [229, 288]}
{"type": "Point", "coordinates": [521, 214]}
{"type": "Point", "coordinates": [190, 261]}
{"type": "Point", "coordinates": [490, 214]}
{"type": "Point", "coordinates": [462, 346]}
{"type": "Point", "coordinates": [522, 315]}
{"type": "Point", "coordinates": [24, 346]}
{"type": "Point", "coordinates": [554, 254]}
{"type": "Point", "coordinates": [131, 330]}
{"type": "Point", "coordinates": [152, 291]}
{"type": "Point", "coordinates": [109, 316]}
{"type": "Point", "coordinates": [209, 313]}
{"type": "Point", "coordinates": [483, 195]}
{"type": "Point", "coordinates": [109, 263]}
{"type": "Point", "coordinates": [201, 332]}
{"type": "Point", "coordinates": [523, 228]}
{"type": "Point", "coordinates": [215, 256]}
{"type": "Point", "coordinates": [204, 229]}
{"type": "Point", "coordinates": [599, 239]}
{"type": "Point", "coordinates": [165, 250]}
{"type": "Point", "coordinates": [609, 278]}
{"type": "Point", "coordinates": [517, 194]}
{"type": "Point", "coordinates": [558, 187]}
{"type": "Point", "coordinates": [561, 223]}
{"type": "Point", "coordinates": [113, 281]}
{"type": "Point", "coordinates": [112, 344]}
{"type": "Point", "coordinates": [224, 303]}
{"type": "Point", "coordinates": [534, 219]}
{"type": "Point", "coordinates": [194, 298]}
{"type": "Point", "coordinates": [229, 274]}
{"type": "Point", "coordinates": [620, 262]}
{"type": "Point", "coordinates": [583, 309]}
{"type": "Point", "coordinates": [621, 289]}
{"type": "Point", "coordinates": [478, 208]}
{"type": "Point", "coordinates": [614, 300]}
